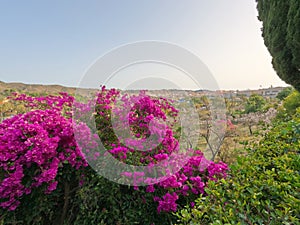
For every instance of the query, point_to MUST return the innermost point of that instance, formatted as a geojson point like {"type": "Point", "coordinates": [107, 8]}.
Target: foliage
{"type": "Point", "coordinates": [292, 102]}
{"type": "Point", "coordinates": [42, 166]}
{"type": "Point", "coordinates": [289, 107]}
{"type": "Point", "coordinates": [34, 147]}
{"type": "Point", "coordinates": [284, 93]}
{"type": "Point", "coordinates": [262, 188]}
{"type": "Point", "coordinates": [255, 103]}
{"type": "Point", "coordinates": [9, 108]}
{"type": "Point", "coordinates": [40, 161]}
{"type": "Point", "coordinates": [281, 22]}
{"type": "Point", "coordinates": [105, 202]}
{"type": "Point", "coordinates": [162, 195]}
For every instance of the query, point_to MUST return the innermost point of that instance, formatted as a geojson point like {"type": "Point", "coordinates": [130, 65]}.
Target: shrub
{"type": "Point", "coordinates": [150, 204]}
{"type": "Point", "coordinates": [289, 107]}
{"type": "Point", "coordinates": [262, 188]}
{"type": "Point", "coordinates": [45, 178]}
{"type": "Point", "coordinates": [284, 93]}
{"type": "Point", "coordinates": [38, 157]}
{"type": "Point", "coordinates": [292, 102]}
{"type": "Point", "coordinates": [255, 103]}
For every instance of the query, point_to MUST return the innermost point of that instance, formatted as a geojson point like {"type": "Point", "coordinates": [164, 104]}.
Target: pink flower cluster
{"type": "Point", "coordinates": [34, 147]}
{"type": "Point", "coordinates": [189, 182]}
{"type": "Point", "coordinates": [167, 203]}
{"type": "Point", "coordinates": [141, 122]}
{"type": "Point", "coordinates": [53, 102]}
{"type": "Point", "coordinates": [136, 113]}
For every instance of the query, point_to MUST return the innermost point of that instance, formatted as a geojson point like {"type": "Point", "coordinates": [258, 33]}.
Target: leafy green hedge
{"type": "Point", "coordinates": [60, 207]}
{"type": "Point", "coordinates": [105, 202]}
{"type": "Point", "coordinates": [99, 201]}
{"type": "Point", "coordinates": [263, 188]}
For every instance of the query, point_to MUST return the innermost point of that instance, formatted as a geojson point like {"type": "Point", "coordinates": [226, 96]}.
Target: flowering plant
{"type": "Point", "coordinates": [36, 147]}
{"type": "Point", "coordinates": [150, 123]}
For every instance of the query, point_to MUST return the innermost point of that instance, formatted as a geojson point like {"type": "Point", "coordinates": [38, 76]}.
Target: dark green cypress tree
{"type": "Point", "coordinates": [281, 33]}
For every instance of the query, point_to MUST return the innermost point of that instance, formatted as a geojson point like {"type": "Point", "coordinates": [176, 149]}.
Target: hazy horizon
{"type": "Point", "coordinates": [139, 88]}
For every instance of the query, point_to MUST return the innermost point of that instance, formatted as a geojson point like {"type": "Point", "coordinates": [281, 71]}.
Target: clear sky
{"type": "Point", "coordinates": [54, 42]}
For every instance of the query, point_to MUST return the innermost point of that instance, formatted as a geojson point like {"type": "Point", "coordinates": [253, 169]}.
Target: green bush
{"type": "Point", "coordinates": [97, 202]}
{"type": "Point", "coordinates": [56, 208]}
{"type": "Point", "coordinates": [105, 202]}
{"type": "Point", "coordinates": [292, 102]}
{"type": "Point", "coordinates": [255, 103]}
{"type": "Point", "coordinates": [284, 93]}
{"type": "Point", "coordinates": [289, 106]}
{"type": "Point", "coordinates": [263, 188]}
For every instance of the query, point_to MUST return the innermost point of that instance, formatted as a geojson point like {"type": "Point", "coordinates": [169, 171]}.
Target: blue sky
{"type": "Point", "coordinates": [55, 42]}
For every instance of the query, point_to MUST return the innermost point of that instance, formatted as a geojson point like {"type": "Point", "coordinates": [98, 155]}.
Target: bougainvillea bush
{"type": "Point", "coordinates": [43, 167]}
{"type": "Point", "coordinates": [38, 156]}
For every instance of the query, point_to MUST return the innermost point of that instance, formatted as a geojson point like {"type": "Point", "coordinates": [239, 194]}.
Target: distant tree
{"type": "Point", "coordinates": [281, 33]}
{"type": "Point", "coordinates": [255, 103]}
{"type": "Point", "coordinates": [292, 102]}
{"type": "Point", "coordinates": [284, 93]}
{"type": "Point", "coordinates": [254, 118]}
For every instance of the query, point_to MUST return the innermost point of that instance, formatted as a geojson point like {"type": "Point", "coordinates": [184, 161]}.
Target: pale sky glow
{"type": "Point", "coordinates": [152, 76]}
{"type": "Point", "coordinates": [54, 42]}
